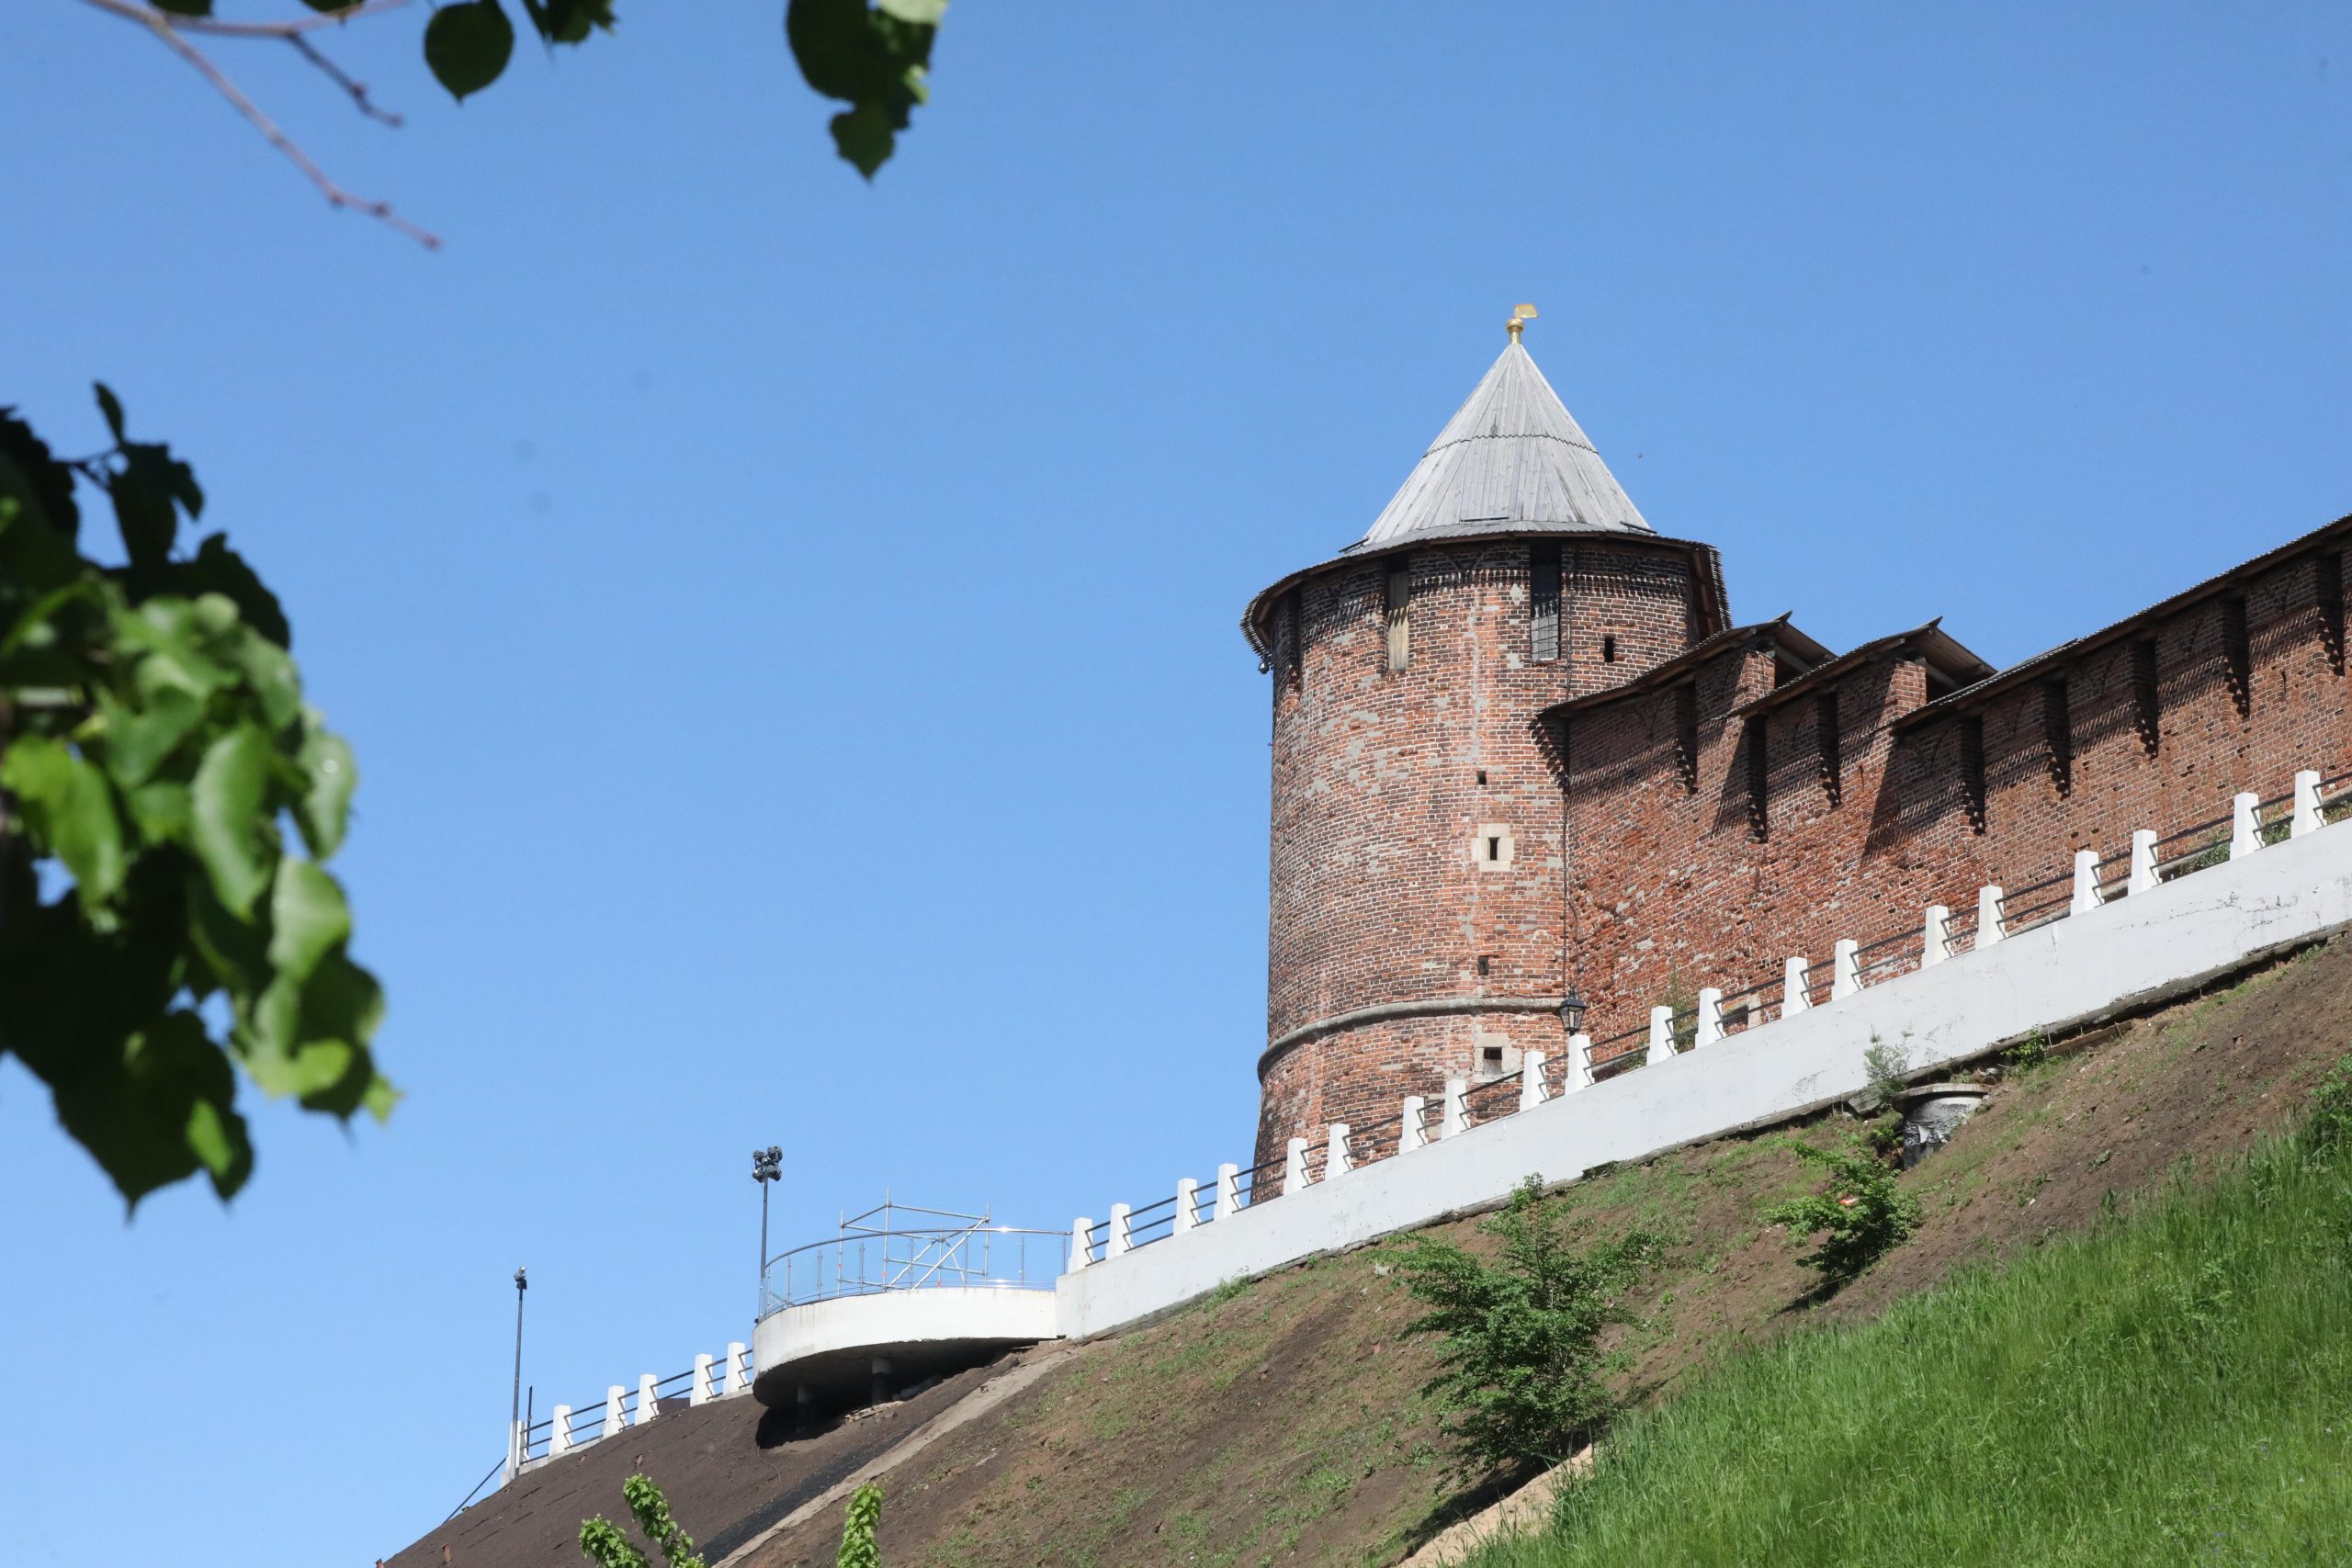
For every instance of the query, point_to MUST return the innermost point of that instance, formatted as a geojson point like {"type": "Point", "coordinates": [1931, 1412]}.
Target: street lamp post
{"type": "Point", "coordinates": [767, 1166]}
{"type": "Point", "coordinates": [517, 1438]}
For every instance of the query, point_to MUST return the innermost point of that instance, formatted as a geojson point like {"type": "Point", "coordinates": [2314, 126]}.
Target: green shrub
{"type": "Point", "coordinates": [2028, 1054]}
{"type": "Point", "coordinates": [1519, 1365]}
{"type": "Point", "coordinates": [858, 1520]}
{"type": "Point", "coordinates": [1887, 1065]}
{"type": "Point", "coordinates": [1859, 1216]}
{"type": "Point", "coordinates": [602, 1542]}
{"type": "Point", "coordinates": [2327, 1128]}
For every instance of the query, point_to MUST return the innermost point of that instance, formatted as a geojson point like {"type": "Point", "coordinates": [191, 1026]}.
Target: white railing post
{"type": "Point", "coordinates": [1989, 928]}
{"type": "Point", "coordinates": [1122, 1237]}
{"type": "Point", "coordinates": [2246, 827]}
{"type": "Point", "coordinates": [1188, 1197]}
{"type": "Point", "coordinates": [649, 1405]}
{"type": "Point", "coordinates": [2143, 862]}
{"type": "Point", "coordinates": [739, 1367]}
{"type": "Point", "coordinates": [1229, 1191]}
{"type": "Point", "coordinates": [1710, 1026]}
{"type": "Point", "coordinates": [515, 1441]}
{"type": "Point", "coordinates": [1796, 987]}
{"type": "Point", "coordinates": [1579, 1073]}
{"type": "Point", "coordinates": [1081, 1242]}
{"type": "Point", "coordinates": [2086, 895]}
{"type": "Point", "coordinates": [613, 1393]}
{"type": "Point", "coordinates": [1295, 1166]}
{"type": "Point", "coordinates": [559, 1432]}
{"type": "Point", "coordinates": [1336, 1159]}
{"type": "Point", "coordinates": [1457, 1107]}
{"type": "Point", "coordinates": [1935, 935]}
{"type": "Point", "coordinates": [1415, 1132]}
{"type": "Point", "coordinates": [2307, 817]}
{"type": "Point", "coordinates": [1661, 1036]}
{"type": "Point", "coordinates": [1531, 1086]}
{"type": "Point", "coordinates": [1844, 968]}
{"type": "Point", "coordinates": [701, 1391]}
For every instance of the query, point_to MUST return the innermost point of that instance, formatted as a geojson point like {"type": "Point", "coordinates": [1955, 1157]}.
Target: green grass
{"type": "Point", "coordinates": [2173, 1387]}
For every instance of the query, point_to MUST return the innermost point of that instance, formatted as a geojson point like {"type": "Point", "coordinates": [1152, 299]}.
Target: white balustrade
{"type": "Point", "coordinates": [613, 1396]}
{"type": "Point", "coordinates": [559, 1432]}
{"type": "Point", "coordinates": [1414, 1132]}
{"type": "Point", "coordinates": [1991, 926]}
{"type": "Point", "coordinates": [1123, 1239]}
{"type": "Point", "coordinates": [699, 1391]}
{"type": "Point", "coordinates": [1796, 987]}
{"type": "Point", "coordinates": [1229, 1191]}
{"type": "Point", "coordinates": [1579, 1070]}
{"type": "Point", "coordinates": [2086, 893]}
{"type": "Point", "coordinates": [1457, 1107]}
{"type": "Point", "coordinates": [1081, 1242]}
{"type": "Point", "coordinates": [739, 1367]}
{"type": "Point", "coordinates": [1294, 1165]}
{"type": "Point", "coordinates": [1336, 1158]}
{"type": "Point", "coordinates": [649, 1405]}
{"type": "Point", "coordinates": [1661, 1035]}
{"type": "Point", "coordinates": [1188, 1198]}
{"type": "Point", "coordinates": [2307, 817]}
{"type": "Point", "coordinates": [1709, 1025]}
{"type": "Point", "coordinates": [1845, 969]}
{"type": "Point", "coordinates": [2245, 824]}
{"type": "Point", "coordinates": [1533, 1090]}
{"type": "Point", "coordinates": [1935, 935]}
{"type": "Point", "coordinates": [2143, 877]}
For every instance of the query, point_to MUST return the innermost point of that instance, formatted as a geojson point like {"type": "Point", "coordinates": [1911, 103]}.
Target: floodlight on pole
{"type": "Point", "coordinates": [767, 1166]}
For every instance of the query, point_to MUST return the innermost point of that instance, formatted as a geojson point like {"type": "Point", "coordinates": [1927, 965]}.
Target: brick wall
{"type": "Point", "coordinates": [1378, 896]}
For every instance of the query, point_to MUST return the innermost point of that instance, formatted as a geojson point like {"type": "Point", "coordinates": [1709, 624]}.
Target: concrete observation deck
{"type": "Point", "coordinates": [903, 1294]}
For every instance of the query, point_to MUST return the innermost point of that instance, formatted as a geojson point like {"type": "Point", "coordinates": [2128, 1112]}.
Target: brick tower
{"type": "Point", "coordinates": [1417, 927]}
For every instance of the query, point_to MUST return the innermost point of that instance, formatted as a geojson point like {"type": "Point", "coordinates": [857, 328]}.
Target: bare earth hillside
{"type": "Point", "coordinates": [1284, 1422]}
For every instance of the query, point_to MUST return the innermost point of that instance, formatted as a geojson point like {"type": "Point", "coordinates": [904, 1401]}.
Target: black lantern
{"type": "Point", "coordinates": [1572, 1012]}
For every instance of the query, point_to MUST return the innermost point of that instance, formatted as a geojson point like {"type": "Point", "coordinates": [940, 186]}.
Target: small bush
{"type": "Point", "coordinates": [1859, 1216]}
{"type": "Point", "coordinates": [858, 1521]}
{"type": "Point", "coordinates": [2028, 1054]}
{"type": "Point", "coordinates": [2327, 1127]}
{"type": "Point", "coordinates": [1520, 1366]}
{"type": "Point", "coordinates": [602, 1542]}
{"type": "Point", "coordinates": [1887, 1065]}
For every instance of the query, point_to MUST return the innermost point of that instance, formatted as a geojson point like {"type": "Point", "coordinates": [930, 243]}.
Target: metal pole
{"type": "Point", "coordinates": [767, 1165]}
{"type": "Point", "coordinates": [514, 1410]}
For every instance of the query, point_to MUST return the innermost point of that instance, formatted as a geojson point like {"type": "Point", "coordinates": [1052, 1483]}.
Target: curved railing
{"type": "Point", "coordinates": [914, 1257]}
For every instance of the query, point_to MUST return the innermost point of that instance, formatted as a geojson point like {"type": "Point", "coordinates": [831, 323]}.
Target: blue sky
{"type": "Point", "coordinates": [788, 625]}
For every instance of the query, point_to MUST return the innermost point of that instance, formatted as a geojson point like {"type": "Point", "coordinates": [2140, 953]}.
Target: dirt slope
{"type": "Point", "coordinates": [1283, 1423]}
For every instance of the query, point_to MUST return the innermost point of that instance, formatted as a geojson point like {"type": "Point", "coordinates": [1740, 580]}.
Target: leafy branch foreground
{"type": "Point", "coordinates": [157, 935]}
{"type": "Point", "coordinates": [602, 1542]}
{"type": "Point", "coordinates": [2173, 1387]}
{"type": "Point", "coordinates": [1518, 1357]}
{"type": "Point", "coordinates": [1860, 1217]}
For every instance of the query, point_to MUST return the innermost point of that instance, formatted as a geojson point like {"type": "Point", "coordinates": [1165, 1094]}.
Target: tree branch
{"type": "Point", "coordinates": [335, 74]}
{"type": "Point", "coordinates": [167, 29]}
{"type": "Point", "coordinates": [133, 11]}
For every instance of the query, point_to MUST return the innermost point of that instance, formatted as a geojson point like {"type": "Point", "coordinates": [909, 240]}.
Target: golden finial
{"type": "Point", "coordinates": [1520, 316]}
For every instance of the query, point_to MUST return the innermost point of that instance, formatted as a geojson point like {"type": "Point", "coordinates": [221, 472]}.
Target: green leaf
{"type": "Point", "coordinates": [161, 1108]}
{"type": "Point", "coordinates": [875, 60]}
{"type": "Point", "coordinates": [323, 808]}
{"type": "Point", "coordinates": [468, 45]}
{"type": "Point", "coordinates": [227, 822]}
{"type": "Point", "coordinates": [309, 1038]}
{"type": "Point", "coordinates": [69, 812]}
{"type": "Point", "coordinates": [109, 404]}
{"type": "Point", "coordinates": [307, 918]}
{"type": "Point", "coordinates": [42, 486]}
{"type": "Point", "coordinates": [569, 21]}
{"type": "Point", "coordinates": [139, 739]}
{"type": "Point", "coordinates": [216, 569]}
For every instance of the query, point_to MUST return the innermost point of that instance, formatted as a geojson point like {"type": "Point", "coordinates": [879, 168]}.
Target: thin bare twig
{"type": "Point", "coordinates": [134, 11]}
{"type": "Point", "coordinates": [166, 28]}
{"type": "Point", "coordinates": [335, 74]}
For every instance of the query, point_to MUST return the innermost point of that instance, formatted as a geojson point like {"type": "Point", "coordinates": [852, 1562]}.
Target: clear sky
{"type": "Point", "coordinates": [789, 626]}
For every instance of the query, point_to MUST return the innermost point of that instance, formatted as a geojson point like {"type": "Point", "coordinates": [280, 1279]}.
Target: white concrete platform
{"type": "Point", "coordinates": [831, 1347]}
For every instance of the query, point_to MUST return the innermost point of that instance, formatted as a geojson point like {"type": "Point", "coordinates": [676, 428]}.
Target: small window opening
{"type": "Point", "coordinates": [2329, 571]}
{"type": "Point", "coordinates": [1482, 775]}
{"type": "Point", "coordinates": [1397, 598]}
{"type": "Point", "coordinates": [1492, 1055]}
{"type": "Point", "coordinates": [2058, 737]}
{"type": "Point", "coordinates": [2147, 711]}
{"type": "Point", "coordinates": [1544, 602]}
{"type": "Point", "coordinates": [1832, 747]}
{"type": "Point", "coordinates": [1609, 648]}
{"type": "Point", "coordinates": [1686, 736]}
{"type": "Point", "coordinates": [1494, 849]}
{"type": "Point", "coordinates": [1759, 782]}
{"type": "Point", "coordinates": [2237, 655]}
{"type": "Point", "coordinates": [1972, 769]}
{"type": "Point", "coordinates": [1484, 964]}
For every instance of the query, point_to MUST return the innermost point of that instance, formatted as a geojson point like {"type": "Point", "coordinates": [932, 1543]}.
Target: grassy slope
{"type": "Point", "coordinates": [2173, 1387]}
{"type": "Point", "coordinates": [1283, 1423]}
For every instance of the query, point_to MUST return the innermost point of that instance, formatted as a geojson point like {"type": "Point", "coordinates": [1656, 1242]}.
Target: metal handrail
{"type": "Point", "coordinates": [872, 1262]}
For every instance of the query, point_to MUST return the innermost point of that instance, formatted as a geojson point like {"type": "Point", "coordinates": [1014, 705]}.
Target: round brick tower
{"type": "Point", "coordinates": [1415, 919]}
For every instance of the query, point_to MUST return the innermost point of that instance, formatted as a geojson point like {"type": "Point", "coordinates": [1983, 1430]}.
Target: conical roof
{"type": "Point", "coordinates": [1510, 459]}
